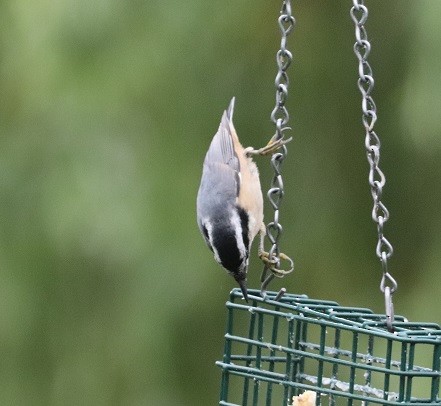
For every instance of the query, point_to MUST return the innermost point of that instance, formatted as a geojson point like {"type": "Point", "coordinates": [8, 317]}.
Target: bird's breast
{"type": "Point", "coordinates": [250, 195]}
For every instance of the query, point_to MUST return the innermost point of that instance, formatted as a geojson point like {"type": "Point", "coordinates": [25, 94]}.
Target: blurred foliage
{"type": "Point", "coordinates": [108, 295]}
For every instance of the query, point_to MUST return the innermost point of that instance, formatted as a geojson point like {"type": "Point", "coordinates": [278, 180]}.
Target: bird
{"type": "Point", "coordinates": [229, 203]}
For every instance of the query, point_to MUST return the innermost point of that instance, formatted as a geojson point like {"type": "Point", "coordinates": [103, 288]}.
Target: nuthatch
{"type": "Point", "coordinates": [230, 202]}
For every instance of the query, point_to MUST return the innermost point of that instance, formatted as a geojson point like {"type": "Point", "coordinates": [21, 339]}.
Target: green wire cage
{"type": "Point", "coordinates": [275, 350]}
{"type": "Point", "coordinates": [280, 348]}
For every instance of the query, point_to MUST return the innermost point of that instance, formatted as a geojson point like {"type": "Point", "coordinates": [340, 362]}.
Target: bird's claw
{"type": "Point", "coordinates": [270, 148]}
{"type": "Point", "coordinates": [272, 263]}
{"type": "Point", "coordinates": [265, 258]}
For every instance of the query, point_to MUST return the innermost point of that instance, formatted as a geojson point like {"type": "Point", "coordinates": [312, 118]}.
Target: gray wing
{"type": "Point", "coordinates": [220, 182]}
{"type": "Point", "coordinates": [222, 148]}
{"type": "Point", "coordinates": [216, 196]}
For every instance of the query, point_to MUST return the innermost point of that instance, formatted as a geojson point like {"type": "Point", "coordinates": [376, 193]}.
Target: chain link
{"type": "Point", "coordinates": [280, 117]}
{"type": "Point", "coordinates": [377, 180]}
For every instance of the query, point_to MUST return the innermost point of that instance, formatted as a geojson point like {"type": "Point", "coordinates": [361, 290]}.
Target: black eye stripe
{"type": "Point", "coordinates": [244, 219]}
{"type": "Point", "coordinates": [227, 249]}
{"type": "Point", "coordinates": [205, 231]}
{"type": "Point", "coordinates": [207, 239]}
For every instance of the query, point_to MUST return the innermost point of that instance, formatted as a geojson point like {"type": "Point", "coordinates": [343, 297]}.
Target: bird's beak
{"type": "Point", "coordinates": [243, 287]}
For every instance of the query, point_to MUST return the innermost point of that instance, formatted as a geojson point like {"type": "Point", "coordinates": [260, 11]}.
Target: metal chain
{"type": "Point", "coordinates": [280, 117]}
{"type": "Point", "coordinates": [377, 180]}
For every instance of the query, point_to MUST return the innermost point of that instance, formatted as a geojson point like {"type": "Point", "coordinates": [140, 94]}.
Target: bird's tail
{"type": "Point", "coordinates": [230, 110]}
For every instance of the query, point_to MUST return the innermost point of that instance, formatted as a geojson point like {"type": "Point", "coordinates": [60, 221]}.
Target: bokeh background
{"type": "Point", "coordinates": [108, 295]}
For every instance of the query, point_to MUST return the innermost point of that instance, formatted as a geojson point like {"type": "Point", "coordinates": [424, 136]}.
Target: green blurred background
{"type": "Point", "coordinates": [108, 295]}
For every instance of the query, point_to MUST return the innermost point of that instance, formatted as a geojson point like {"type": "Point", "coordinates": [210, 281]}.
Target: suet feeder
{"type": "Point", "coordinates": [275, 350]}
{"type": "Point", "coordinates": [280, 347]}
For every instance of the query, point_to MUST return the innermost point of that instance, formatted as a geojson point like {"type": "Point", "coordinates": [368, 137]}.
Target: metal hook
{"type": "Point", "coordinates": [286, 7]}
{"type": "Point", "coordinates": [387, 277]}
{"type": "Point", "coordinates": [280, 118]}
{"type": "Point", "coordinates": [389, 309]}
{"type": "Point", "coordinates": [377, 179]}
{"type": "Point", "coordinates": [265, 279]}
{"type": "Point", "coordinates": [265, 282]}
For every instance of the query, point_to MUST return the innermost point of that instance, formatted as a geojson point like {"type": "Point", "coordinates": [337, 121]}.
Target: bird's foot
{"type": "Point", "coordinates": [273, 145]}
{"type": "Point", "coordinates": [272, 263]}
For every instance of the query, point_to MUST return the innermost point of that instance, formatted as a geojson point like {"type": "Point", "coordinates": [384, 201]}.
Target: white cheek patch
{"type": "Point", "coordinates": [209, 228]}
{"type": "Point", "coordinates": [237, 227]}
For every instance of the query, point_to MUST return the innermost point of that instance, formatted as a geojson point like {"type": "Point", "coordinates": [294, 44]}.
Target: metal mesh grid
{"type": "Point", "coordinates": [277, 349]}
